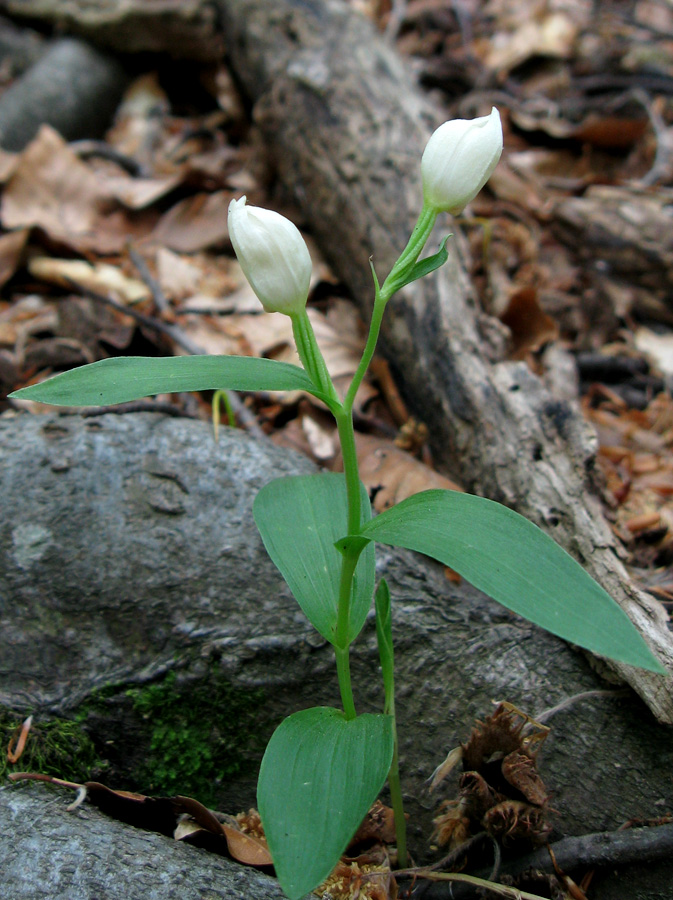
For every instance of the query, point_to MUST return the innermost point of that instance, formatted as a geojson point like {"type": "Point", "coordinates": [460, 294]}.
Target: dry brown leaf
{"type": "Point", "coordinates": [215, 335]}
{"type": "Point", "coordinates": [391, 475]}
{"type": "Point", "coordinates": [15, 750]}
{"type": "Point", "coordinates": [100, 278]}
{"type": "Point", "coordinates": [554, 35]}
{"type": "Point", "coordinates": [601, 130]}
{"type": "Point", "coordinates": [137, 193]}
{"type": "Point", "coordinates": [178, 276]}
{"type": "Point", "coordinates": [53, 189]}
{"type": "Point", "coordinates": [246, 849]}
{"type": "Point", "coordinates": [7, 163]}
{"type": "Point", "coordinates": [321, 436]}
{"type": "Point", "coordinates": [377, 825]}
{"type": "Point", "coordinates": [249, 849]}
{"type": "Point", "coordinates": [195, 223]}
{"type": "Point", "coordinates": [163, 814]}
{"type": "Point", "coordinates": [26, 316]}
{"type": "Point", "coordinates": [12, 246]}
{"type": "Point", "coordinates": [528, 323]}
{"type": "Point", "coordinates": [137, 129]}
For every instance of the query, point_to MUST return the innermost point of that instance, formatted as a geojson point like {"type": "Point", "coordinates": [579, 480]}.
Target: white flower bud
{"type": "Point", "coordinates": [273, 256]}
{"type": "Point", "coordinates": [459, 159]}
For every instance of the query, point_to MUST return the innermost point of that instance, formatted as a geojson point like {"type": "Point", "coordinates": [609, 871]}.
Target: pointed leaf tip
{"type": "Point", "coordinates": [320, 774]}
{"type": "Point", "coordinates": [516, 563]}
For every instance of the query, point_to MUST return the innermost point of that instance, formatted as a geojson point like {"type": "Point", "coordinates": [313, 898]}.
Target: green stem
{"type": "Point", "coordinates": [342, 642]}
{"type": "Point", "coordinates": [419, 236]}
{"type": "Point", "coordinates": [344, 421]}
{"type": "Point", "coordinates": [311, 357]}
{"type": "Point", "coordinates": [398, 806]}
{"type": "Point", "coordinates": [384, 638]}
{"type": "Point", "coordinates": [370, 346]}
{"type": "Point", "coordinates": [344, 675]}
{"type": "Point", "coordinates": [314, 363]}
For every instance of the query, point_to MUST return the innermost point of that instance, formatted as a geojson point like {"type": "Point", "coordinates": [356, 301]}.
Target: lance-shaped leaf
{"type": "Point", "coordinates": [125, 378]}
{"type": "Point", "coordinates": [512, 560]}
{"type": "Point", "coordinates": [320, 774]}
{"type": "Point", "coordinates": [299, 519]}
{"type": "Point", "coordinates": [422, 267]}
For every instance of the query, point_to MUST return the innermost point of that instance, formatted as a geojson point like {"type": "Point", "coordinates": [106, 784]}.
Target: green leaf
{"type": "Point", "coordinates": [125, 378]}
{"type": "Point", "coordinates": [320, 774]}
{"type": "Point", "coordinates": [512, 560]}
{"type": "Point", "coordinates": [299, 519]}
{"type": "Point", "coordinates": [423, 267]}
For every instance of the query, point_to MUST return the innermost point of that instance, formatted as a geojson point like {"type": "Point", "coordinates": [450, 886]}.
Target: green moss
{"type": "Point", "coordinates": [58, 747]}
{"type": "Point", "coordinates": [199, 735]}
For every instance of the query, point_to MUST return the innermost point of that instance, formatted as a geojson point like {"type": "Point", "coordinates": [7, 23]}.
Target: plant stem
{"type": "Point", "coordinates": [419, 236]}
{"type": "Point", "coordinates": [314, 363]}
{"type": "Point", "coordinates": [398, 805]}
{"type": "Point", "coordinates": [344, 421]}
{"type": "Point", "coordinates": [344, 674]}
{"type": "Point", "coordinates": [384, 639]}
{"type": "Point", "coordinates": [312, 359]}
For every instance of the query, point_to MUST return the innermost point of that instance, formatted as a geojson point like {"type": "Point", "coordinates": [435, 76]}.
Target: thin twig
{"type": "Point", "coordinates": [133, 406]}
{"type": "Point", "coordinates": [85, 149]}
{"type": "Point", "coordinates": [158, 295]}
{"type": "Point", "coordinates": [570, 701]}
{"type": "Point", "coordinates": [609, 848]}
{"type": "Point", "coordinates": [395, 20]}
{"type": "Point", "coordinates": [502, 890]}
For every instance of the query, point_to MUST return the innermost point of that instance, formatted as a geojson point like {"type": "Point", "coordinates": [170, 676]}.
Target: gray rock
{"type": "Point", "coordinates": [83, 855]}
{"type": "Point", "coordinates": [128, 550]}
{"type": "Point", "coordinates": [74, 87]}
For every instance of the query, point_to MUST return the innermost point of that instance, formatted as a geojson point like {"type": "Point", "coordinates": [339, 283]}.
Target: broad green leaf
{"type": "Point", "coordinates": [299, 519]}
{"type": "Point", "coordinates": [512, 560]}
{"type": "Point", "coordinates": [320, 774]}
{"type": "Point", "coordinates": [125, 378]}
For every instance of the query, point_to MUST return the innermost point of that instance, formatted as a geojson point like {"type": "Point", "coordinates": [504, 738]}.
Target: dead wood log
{"type": "Point", "coordinates": [185, 29]}
{"type": "Point", "coordinates": [624, 237]}
{"type": "Point", "coordinates": [347, 127]}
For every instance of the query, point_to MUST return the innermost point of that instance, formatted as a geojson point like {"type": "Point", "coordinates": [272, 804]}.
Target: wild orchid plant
{"type": "Point", "coordinates": [324, 767]}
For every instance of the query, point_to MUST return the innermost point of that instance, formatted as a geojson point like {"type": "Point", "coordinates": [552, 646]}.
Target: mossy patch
{"type": "Point", "coordinates": [199, 734]}
{"type": "Point", "coordinates": [58, 747]}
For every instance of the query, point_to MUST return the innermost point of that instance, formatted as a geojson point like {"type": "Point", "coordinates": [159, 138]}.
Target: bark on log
{"type": "Point", "coordinates": [185, 29]}
{"type": "Point", "coordinates": [623, 235]}
{"type": "Point", "coordinates": [347, 127]}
